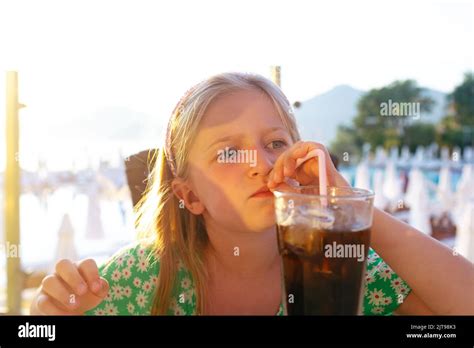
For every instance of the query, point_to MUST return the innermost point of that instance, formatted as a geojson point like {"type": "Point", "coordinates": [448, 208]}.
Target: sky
{"type": "Point", "coordinates": [87, 66]}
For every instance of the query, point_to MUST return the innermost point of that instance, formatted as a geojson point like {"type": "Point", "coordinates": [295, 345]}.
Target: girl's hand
{"type": "Point", "coordinates": [72, 290]}
{"type": "Point", "coordinates": [307, 173]}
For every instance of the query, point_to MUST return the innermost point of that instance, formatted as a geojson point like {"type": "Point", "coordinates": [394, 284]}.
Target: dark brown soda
{"type": "Point", "coordinates": [321, 285]}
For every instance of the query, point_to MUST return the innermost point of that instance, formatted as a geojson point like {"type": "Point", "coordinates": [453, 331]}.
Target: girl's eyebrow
{"type": "Point", "coordinates": [230, 137]}
{"type": "Point", "coordinates": [224, 139]}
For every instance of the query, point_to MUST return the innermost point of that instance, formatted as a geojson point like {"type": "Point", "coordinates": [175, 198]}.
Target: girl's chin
{"type": "Point", "coordinates": [264, 224]}
{"type": "Point", "coordinates": [261, 219]}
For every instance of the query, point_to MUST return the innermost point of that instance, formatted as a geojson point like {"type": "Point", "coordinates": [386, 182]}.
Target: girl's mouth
{"type": "Point", "coordinates": [263, 192]}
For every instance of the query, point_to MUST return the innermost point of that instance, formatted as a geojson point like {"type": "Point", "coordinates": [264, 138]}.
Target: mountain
{"type": "Point", "coordinates": [319, 117]}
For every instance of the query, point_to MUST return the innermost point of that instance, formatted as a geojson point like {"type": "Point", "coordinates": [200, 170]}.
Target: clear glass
{"type": "Point", "coordinates": [323, 241]}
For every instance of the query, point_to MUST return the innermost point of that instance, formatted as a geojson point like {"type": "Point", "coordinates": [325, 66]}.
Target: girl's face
{"type": "Point", "coordinates": [238, 141]}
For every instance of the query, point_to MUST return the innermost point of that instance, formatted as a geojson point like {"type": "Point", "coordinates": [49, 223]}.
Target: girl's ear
{"type": "Point", "coordinates": [183, 191]}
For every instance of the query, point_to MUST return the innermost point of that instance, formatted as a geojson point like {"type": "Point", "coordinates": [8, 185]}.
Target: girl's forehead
{"type": "Point", "coordinates": [237, 115]}
{"type": "Point", "coordinates": [240, 106]}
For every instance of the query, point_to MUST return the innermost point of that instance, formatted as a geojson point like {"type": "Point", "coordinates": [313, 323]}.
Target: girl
{"type": "Point", "coordinates": [208, 242]}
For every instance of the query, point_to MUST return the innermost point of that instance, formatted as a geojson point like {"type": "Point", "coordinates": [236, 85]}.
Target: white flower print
{"type": "Point", "coordinates": [371, 258]}
{"type": "Point", "coordinates": [141, 252]}
{"type": "Point", "coordinates": [111, 309]}
{"type": "Point", "coordinates": [99, 311]}
{"type": "Point", "coordinates": [376, 297]}
{"type": "Point", "coordinates": [127, 291]}
{"type": "Point", "coordinates": [130, 308]}
{"type": "Point", "coordinates": [137, 282]}
{"type": "Point", "coordinates": [185, 283]}
{"type": "Point", "coordinates": [141, 299]}
{"type": "Point", "coordinates": [385, 272]}
{"type": "Point", "coordinates": [109, 296]}
{"type": "Point", "coordinates": [154, 280]}
{"type": "Point", "coordinates": [369, 278]}
{"type": "Point", "coordinates": [126, 273]}
{"type": "Point", "coordinates": [386, 301]}
{"type": "Point", "coordinates": [120, 260]}
{"type": "Point", "coordinates": [396, 283]}
{"type": "Point", "coordinates": [377, 310]}
{"type": "Point", "coordinates": [179, 311]}
{"type": "Point", "coordinates": [143, 264]}
{"type": "Point", "coordinates": [147, 286]}
{"type": "Point", "coordinates": [117, 292]}
{"type": "Point", "coordinates": [116, 275]}
{"type": "Point", "coordinates": [131, 261]}
{"type": "Point", "coordinates": [402, 289]}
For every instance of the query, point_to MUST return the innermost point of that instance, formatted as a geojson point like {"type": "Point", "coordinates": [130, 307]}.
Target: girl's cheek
{"type": "Point", "coordinates": [228, 170]}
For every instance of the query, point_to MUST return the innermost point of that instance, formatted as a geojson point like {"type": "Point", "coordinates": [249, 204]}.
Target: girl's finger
{"type": "Point", "coordinates": [47, 307]}
{"type": "Point", "coordinates": [289, 161]}
{"type": "Point", "coordinates": [57, 290]}
{"type": "Point", "coordinates": [277, 174]}
{"type": "Point", "coordinates": [71, 276]}
{"type": "Point", "coordinates": [104, 290]}
{"type": "Point", "coordinates": [90, 272]}
{"type": "Point", "coordinates": [284, 186]}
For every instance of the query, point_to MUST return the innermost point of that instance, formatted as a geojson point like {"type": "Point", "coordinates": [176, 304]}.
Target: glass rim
{"type": "Point", "coordinates": [359, 192]}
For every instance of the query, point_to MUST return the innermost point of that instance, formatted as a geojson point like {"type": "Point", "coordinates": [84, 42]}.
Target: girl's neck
{"type": "Point", "coordinates": [243, 255]}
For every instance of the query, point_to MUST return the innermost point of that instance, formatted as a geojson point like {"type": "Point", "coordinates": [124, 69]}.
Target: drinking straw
{"type": "Point", "coordinates": [323, 181]}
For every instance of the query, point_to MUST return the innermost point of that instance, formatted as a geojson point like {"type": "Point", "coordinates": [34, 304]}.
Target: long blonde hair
{"type": "Point", "coordinates": [178, 235]}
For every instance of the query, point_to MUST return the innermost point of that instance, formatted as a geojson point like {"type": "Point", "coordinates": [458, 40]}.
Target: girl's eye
{"type": "Point", "coordinates": [278, 144]}
{"type": "Point", "coordinates": [228, 150]}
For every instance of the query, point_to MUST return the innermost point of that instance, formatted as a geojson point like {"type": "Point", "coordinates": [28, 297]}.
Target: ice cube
{"type": "Point", "coordinates": [311, 217]}
{"type": "Point", "coordinates": [344, 217]}
{"type": "Point", "coordinates": [320, 218]}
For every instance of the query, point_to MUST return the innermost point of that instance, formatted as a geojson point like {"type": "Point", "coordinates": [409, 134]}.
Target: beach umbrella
{"type": "Point", "coordinates": [417, 198]}
{"type": "Point", "coordinates": [464, 190]}
{"type": "Point", "coordinates": [394, 153]}
{"type": "Point", "coordinates": [444, 193]}
{"type": "Point", "coordinates": [419, 216]}
{"type": "Point", "coordinates": [419, 154]}
{"type": "Point", "coordinates": [380, 155]}
{"type": "Point", "coordinates": [466, 180]}
{"type": "Point", "coordinates": [416, 183]}
{"type": "Point", "coordinates": [66, 248]}
{"type": "Point", "coordinates": [445, 154]}
{"type": "Point", "coordinates": [94, 227]}
{"type": "Point", "coordinates": [392, 186]}
{"type": "Point", "coordinates": [380, 201]}
{"type": "Point", "coordinates": [405, 156]}
{"type": "Point", "coordinates": [468, 154]}
{"type": "Point", "coordinates": [362, 177]}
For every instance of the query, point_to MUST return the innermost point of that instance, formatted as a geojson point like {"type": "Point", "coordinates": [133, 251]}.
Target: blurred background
{"type": "Point", "coordinates": [388, 86]}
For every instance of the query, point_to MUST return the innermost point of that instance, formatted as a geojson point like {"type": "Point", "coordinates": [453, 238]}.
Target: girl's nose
{"type": "Point", "coordinates": [263, 164]}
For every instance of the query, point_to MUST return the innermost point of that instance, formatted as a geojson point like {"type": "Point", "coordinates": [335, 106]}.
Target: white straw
{"type": "Point", "coordinates": [323, 181]}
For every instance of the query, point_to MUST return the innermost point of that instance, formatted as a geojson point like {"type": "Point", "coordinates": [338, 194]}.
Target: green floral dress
{"type": "Point", "coordinates": [132, 274]}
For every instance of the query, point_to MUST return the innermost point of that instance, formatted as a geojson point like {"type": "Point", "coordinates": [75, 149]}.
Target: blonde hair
{"type": "Point", "coordinates": [179, 236]}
